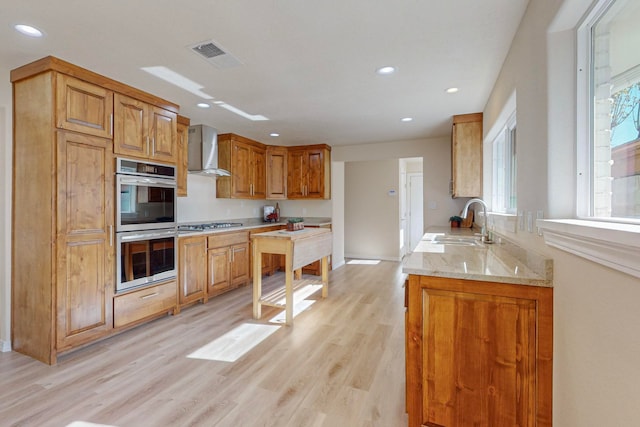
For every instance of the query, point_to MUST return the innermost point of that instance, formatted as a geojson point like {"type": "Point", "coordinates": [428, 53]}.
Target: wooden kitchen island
{"type": "Point", "coordinates": [300, 248]}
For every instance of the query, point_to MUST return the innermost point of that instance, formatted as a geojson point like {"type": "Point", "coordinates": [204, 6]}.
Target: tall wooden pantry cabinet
{"type": "Point", "coordinates": [63, 237]}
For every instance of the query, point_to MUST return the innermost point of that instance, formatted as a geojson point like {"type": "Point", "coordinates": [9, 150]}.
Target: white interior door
{"type": "Point", "coordinates": [416, 227]}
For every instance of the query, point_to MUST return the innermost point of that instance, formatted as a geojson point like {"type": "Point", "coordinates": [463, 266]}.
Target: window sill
{"type": "Point", "coordinates": [612, 244]}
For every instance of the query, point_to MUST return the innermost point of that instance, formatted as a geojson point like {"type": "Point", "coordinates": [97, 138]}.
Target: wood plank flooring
{"type": "Point", "coordinates": [340, 365]}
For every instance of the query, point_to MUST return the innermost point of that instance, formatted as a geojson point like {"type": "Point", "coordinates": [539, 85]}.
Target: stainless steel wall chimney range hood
{"type": "Point", "coordinates": [203, 151]}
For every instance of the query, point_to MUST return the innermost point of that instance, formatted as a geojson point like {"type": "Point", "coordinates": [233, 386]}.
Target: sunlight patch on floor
{"type": "Point", "coordinates": [364, 261]}
{"type": "Point", "coordinates": [298, 308]}
{"type": "Point", "coordinates": [235, 343]}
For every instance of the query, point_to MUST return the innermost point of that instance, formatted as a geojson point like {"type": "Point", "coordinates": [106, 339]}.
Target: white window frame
{"type": "Point", "coordinates": [501, 204]}
{"type": "Point", "coordinates": [614, 242]}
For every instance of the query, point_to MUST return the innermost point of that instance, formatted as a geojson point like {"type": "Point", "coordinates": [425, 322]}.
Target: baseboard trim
{"type": "Point", "coordinates": [5, 346]}
{"type": "Point", "coordinates": [337, 265]}
{"type": "Point", "coordinates": [352, 256]}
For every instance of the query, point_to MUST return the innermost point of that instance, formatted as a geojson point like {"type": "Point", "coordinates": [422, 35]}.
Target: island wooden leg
{"type": "Point", "coordinates": [325, 276]}
{"type": "Point", "coordinates": [288, 297]}
{"type": "Point", "coordinates": [257, 281]}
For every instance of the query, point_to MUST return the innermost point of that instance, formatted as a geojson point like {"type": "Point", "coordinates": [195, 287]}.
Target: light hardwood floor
{"type": "Point", "coordinates": [340, 365]}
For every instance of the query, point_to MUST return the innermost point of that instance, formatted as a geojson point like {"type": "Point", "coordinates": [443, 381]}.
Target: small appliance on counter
{"type": "Point", "coordinates": [269, 214]}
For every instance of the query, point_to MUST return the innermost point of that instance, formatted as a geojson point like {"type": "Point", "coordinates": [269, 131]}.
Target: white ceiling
{"type": "Point", "coordinates": [308, 66]}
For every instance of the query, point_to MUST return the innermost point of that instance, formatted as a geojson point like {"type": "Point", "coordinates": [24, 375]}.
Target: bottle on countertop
{"type": "Point", "coordinates": [277, 212]}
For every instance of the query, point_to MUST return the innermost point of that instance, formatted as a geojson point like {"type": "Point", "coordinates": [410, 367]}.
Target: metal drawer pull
{"type": "Point", "coordinates": [149, 296]}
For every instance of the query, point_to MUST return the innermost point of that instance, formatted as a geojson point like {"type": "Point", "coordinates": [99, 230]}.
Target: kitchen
{"type": "Point", "coordinates": [594, 317]}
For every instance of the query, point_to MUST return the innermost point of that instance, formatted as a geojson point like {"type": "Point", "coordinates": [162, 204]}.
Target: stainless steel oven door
{"type": "Point", "coordinates": [145, 203]}
{"type": "Point", "coordinates": [145, 258]}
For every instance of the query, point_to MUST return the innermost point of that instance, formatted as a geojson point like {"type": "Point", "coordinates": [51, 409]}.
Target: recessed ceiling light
{"type": "Point", "coordinates": [28, 30]}
{"type": "Point", "coordinates": [203, 105]}
{"type": "Point", "coordinates": [386, 70]}
{"type": "Point", "coordinates": [452, 90]}
{"type": "Point", "coordinates": [274, 134]}
{"type": "Point", "coordinates": [406, 119]}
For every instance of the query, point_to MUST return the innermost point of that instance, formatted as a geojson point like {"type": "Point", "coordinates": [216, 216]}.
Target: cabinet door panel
{"type": "Point", "coordinates": [219, 264]}
{"type": "Point", "coordinates": [130, 127]}
{"type": "Point", "coordinates": [85, 272]}
{"type": "Point", "coordinates": [241, 178]}
{"type": "Point", "coordinates": [259, 169]}
{"type": "Point", "coordinates": [193, 267]}
{"type": "Point", "coordinates": [163, 135]}
{"type": "Point", "coordinates": [83, 107]}
{"type": "Point", "coordinates": [239, 264]}
{"type": "Point", "coordinates": [480, 359]}
{"type": "Point", "coordinates": [182, 157]}
{"type": "Point", "coordinates": [315, 175]}
{"type": "Point", "coordinates": [276, 173]}
{"type": "Point", "coordinates": [296, 165]}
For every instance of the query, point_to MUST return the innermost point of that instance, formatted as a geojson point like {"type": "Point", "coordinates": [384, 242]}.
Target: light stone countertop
{"type": "Point", "coordinates": [502, 262]}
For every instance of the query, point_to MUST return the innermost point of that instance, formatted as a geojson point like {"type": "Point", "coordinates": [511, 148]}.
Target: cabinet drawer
{"type": "Point", "coordinates": [227, 239]}
{"type": "Point", "coordinates": [146, 302]}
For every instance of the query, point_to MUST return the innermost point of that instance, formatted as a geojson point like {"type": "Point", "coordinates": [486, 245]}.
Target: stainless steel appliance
{"type": "Point", "coordinates": [145, 258]}
{"type": "Point", "coordinates": [145, 223]}
{"type": "Point", "coordinates": [203, 151]}
{"type": "Point", "coordinates": [146, 195]}
{"type": "Point", "coordinates": [208, 226]}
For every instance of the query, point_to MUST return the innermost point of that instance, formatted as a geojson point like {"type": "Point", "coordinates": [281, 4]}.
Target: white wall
{"type": "Point", "coordinates": [5, 226]}
{"type": "Point", "coordinates": [436, 154]}
{"type": "Point", "coordinates": [596, 343]}
{"type": "Point", "coordinates": [372, 215]}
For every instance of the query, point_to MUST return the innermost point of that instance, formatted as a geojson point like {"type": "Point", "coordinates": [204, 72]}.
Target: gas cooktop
{"type": "Point", "coordinates": [208, 226]}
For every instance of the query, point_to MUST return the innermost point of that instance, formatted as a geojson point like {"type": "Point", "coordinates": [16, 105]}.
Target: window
{"type": "Point", "coordinates": [610, 158]}
{"type": "Point", "coordinates": [503, 191]}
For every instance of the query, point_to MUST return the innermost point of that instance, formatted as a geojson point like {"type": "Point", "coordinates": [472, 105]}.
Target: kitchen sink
{"type": "Point", "coordinates": [457, 240]}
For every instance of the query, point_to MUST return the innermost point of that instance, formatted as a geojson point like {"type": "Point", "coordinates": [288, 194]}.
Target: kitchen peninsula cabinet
{"type": "Point", "coordinates": [192, 269]}
{"type": "Point", "coordinates": [466, 155]}
{"type": "Point", "coordinates": [478, 353]}
{"type": "Point", "coordinates": [228, 261]}
{"type": "Point", "coordinates": [276, 172]}
{"type": "Point", "coordinates": [63, 241]}
{"type": "Point", "coordinates": [309, 172]}
{"type": "Point", "coordinates": [144, 131]}
{"type": "Point", "coordinates": [246, 160]}
{"type": "Point", "coordinates": [182, 155]}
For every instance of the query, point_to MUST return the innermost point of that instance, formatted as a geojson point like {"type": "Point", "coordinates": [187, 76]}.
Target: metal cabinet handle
{"type": "Point", "coordinates": [149, 296]}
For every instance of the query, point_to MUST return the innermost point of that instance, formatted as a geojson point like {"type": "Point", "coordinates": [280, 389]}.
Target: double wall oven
{"type": "Point", "coordinates": [145, 223]}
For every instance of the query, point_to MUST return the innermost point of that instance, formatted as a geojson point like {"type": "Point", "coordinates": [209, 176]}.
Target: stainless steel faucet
{"type": "Point", "coordinates": [484, 233]}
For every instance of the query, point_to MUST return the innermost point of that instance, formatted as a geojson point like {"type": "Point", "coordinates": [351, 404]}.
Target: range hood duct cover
{"type": "Point", "coordinates": [203, 151]}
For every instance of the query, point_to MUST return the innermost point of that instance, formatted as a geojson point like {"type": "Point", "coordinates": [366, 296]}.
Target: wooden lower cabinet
{"type": "Point", "coordinates": [144, 304]}
{"type": "Point", "coordinates": [192, 269]}
{"type": "Point", "coordinates": [478, 353]}
{"type": "Point", "coordinates": [227, 261]}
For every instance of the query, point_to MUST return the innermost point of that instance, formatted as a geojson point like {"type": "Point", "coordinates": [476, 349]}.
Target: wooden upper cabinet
{"type": "Point", "coordinates": [309, 172]}
{"type": "Point", "coordinates": [246, 160]}
{"type": "Point", "coordinates": [163, 135]}
{"type": "Point", "coordinates": [466, 155]}
{"type": "Point", "coordinates": [182, 154]}
{"type": "Point", "coordinates": [83, 107]}
{"type": "Point", "coordinates": [276, 172]}
{"type": "Point", "coordinates": [144, 131]}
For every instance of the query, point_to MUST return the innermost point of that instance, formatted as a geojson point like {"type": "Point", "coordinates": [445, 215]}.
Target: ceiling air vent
{"type": "Point", "coordinates": [215, 54]}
